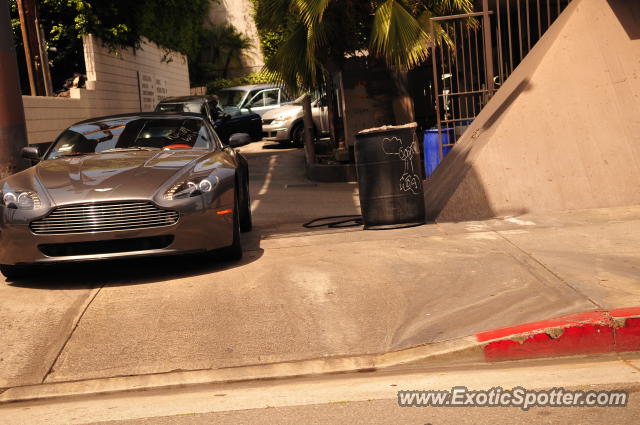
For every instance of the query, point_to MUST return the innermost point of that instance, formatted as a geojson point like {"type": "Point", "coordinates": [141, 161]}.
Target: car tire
{"type": "Point", "coordinates": [246, 222]}
{"type": "Point", "coordinates": [13, 272]}
{"type": "Point", "coordinates": [297, 135]}
{"type": "Point", "coordinates": [234, 251]}
{"type": "Point", "coordinates": [257, 135]}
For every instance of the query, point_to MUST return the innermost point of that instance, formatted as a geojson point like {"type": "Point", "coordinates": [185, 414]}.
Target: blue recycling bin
{"type": "Point", "coordinates": [432, 148]}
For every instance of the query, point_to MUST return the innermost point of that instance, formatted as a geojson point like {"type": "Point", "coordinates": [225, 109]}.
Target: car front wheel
{"type": "Point", "coordinates": [234, 251]}
{"type": "Point", "coordinates": [13, 272]}
{"type": "Point", "coordinates": [297, 135]}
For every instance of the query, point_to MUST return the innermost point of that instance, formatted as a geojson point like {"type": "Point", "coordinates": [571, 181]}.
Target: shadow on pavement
{"type": "Point", "coordinates": [283, 199]}
{"type": "Point", "coordinates": [277, 146]}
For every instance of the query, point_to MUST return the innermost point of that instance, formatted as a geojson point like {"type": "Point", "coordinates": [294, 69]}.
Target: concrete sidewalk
{"type": "Point", "coordinates": [302, 294]}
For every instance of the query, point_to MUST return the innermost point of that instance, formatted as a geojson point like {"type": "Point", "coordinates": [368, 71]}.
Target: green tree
{"type": "Point", "coordinates": [234, 44]}
{"type": "Point", "coordinates": [319, 34]}
{"type": "Point", "coordinates": [219, 46]}
{"type": "Point", "coordinates": [172, 24]}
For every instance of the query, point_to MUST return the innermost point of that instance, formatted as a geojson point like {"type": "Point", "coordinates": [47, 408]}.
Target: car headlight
{"type": "Point", "coordinates": [281, 119]}
{"type": "Point", "coordinates": [24, 200]}
{"type": "Point", "coordinates": [193, 187]}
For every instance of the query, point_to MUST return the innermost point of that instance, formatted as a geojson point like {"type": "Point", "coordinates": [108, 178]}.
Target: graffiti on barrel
{"type": "Point", "coordinates": [409, 181]}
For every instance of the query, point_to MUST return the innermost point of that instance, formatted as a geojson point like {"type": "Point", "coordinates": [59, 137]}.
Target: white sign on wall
{"type": "Point", "coordinates": [161, 89]}
{"type": "Point", "coordinates": [147, 91]}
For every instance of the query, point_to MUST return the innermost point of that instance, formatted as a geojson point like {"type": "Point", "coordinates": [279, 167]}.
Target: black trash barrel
{"type": "Point", "coordinates": [388, 167]}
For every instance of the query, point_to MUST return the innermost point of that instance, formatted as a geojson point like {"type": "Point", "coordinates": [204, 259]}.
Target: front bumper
{"type": "Point", "coordinates": [198, 229]}
{"type": "Point", "coordinates": [275, 132]}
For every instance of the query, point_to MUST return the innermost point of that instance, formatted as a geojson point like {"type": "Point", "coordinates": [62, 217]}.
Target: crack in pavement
{"type": "Point", "coordinates": [547, 269]}
{"type": "Point", "coordinates": [75, 326]}
{"type": "Point", "coordinates": [628, 363]}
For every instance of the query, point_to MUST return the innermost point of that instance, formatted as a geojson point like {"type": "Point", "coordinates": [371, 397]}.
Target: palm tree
{"type": "Point", "coordinates": [320, 34]}
{"type": "Point", "coordinates": [220, 45]}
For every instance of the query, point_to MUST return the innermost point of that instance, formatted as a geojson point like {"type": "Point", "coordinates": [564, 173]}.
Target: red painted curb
{"type": "Point", "coordinates": [584, 333]}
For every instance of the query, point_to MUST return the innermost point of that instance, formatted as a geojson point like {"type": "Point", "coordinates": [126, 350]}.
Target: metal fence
{"type": "Point", "coordinates": [477, 53]}
{"type": "Point", "coordinates": [521, 23]}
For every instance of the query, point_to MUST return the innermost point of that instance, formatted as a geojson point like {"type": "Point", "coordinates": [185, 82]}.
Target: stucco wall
{"type": "Point", "coordinates": [112, 87]}
{"type": "Point", "coordinates": [564, 130]}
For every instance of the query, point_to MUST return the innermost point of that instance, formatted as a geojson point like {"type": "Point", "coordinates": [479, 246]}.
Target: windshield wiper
{"type": "Point", "coordinates": [131, 148]}
{"type": "Point", "coordinates": [73, 153]}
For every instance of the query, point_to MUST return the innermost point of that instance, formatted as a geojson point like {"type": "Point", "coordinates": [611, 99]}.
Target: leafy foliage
{"type": "Point", "coordinates": [218, 46]}
{"type": "Point", "coordinates": [253, 78]}
{"type": "Point", "coordinates": [173, 24]}
{"type": "Point", "coordinates": [317, 35]}
{"type": "Point", "coordinates": [272, 33]}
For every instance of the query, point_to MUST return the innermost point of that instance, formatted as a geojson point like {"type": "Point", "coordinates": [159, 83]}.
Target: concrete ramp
{"type": "Point", "coordinates": [564, 130]}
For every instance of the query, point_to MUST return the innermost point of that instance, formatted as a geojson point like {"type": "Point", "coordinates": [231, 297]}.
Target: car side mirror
{"type": "Point", "coordinates": [30, 153]}
{"type": "Point", "coordinates": [239, 139]}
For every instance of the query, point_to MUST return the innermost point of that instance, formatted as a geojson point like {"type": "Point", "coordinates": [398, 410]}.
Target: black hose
{"type": "Point", "coordinates": [342, 221]}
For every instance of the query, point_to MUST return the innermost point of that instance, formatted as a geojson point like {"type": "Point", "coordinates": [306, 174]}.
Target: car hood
{"type": "Point", "coordinates": [287, 109]}
{"type": "Point", "coordinates": [117, 175]}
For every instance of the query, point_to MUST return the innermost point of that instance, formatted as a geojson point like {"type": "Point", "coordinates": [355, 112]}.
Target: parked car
{"type": "Point", "coordinates": [256, 98]}
{"type": "Point", "coordinates": [126, 186]}
{"type": "Point", "coordinates": [285, 124]}
{"type": "Point", "coordinates": [224, 124]}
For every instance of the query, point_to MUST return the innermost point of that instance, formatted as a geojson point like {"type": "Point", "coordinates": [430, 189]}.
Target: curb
{"type": "Point", "coordinates": [464, 349]}
{"type": "Point", "coordinates": [597, 332]}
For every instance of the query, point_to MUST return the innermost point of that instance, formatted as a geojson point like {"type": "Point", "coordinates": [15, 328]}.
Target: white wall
{"type": "Point", "coordinates": [112, 87]}
{"type": "Point", "coordinates": [239, 13]}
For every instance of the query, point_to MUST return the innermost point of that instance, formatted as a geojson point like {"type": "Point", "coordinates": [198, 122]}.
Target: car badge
{"type": "Point", "coordinates": [104, 189]}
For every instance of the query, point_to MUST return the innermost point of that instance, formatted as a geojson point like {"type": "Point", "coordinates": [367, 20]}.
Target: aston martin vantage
{"type": "Point", "coordinates": [124, 186]}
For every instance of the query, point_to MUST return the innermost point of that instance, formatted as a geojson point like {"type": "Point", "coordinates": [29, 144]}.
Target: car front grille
{"type": "Point", "coordinates": [104, 217]}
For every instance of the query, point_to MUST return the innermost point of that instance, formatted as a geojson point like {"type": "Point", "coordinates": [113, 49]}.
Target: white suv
{"type": "Point", "coordinates": [285, 124]}
{"type": "Point", "coordinates": [254, 98]}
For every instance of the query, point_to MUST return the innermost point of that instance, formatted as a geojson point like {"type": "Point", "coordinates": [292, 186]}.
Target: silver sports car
{"type": "Point", "coordinates": [124, 186]}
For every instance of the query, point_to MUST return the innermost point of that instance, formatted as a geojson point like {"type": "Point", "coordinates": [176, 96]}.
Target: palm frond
{"type": "Point", "coordinates": [397, 36]}
{"type": "Point", "coordinates": [457, 5]}
{"type": "Point", "coordinates": [316, 39]}
{"type": "Point", "coordinates": [311, 11]}
{"type": "Point", "coordinates": [272, 11]}
{"type": "Point", "coordinates": [292, 64]}
{"type": "Point", "coordinates": [441, 35]}
{"type": "Point", "coordinates": [448, 7]}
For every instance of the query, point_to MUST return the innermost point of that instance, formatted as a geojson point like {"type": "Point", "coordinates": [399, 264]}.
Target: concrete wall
{"type": "Point", "coordinates": [239, 13]}
{"type": "Point", "coordinates": [564, 130]}
{"type": "Point", "coordinates": [113, 86]}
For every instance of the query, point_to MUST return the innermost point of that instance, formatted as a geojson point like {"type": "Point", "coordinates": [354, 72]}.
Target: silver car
{"type": "Point", "coordinates": [126, 186]}
{"type": "Point", "coordinates": [254, 98]}
{"type": "Point", "coordinates": [285, 124]}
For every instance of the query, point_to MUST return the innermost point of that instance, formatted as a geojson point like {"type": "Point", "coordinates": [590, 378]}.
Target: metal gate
{"type": "Point", "coordinates": [462, 72]}
{"type": "Point", "coordinates": [477, 52]}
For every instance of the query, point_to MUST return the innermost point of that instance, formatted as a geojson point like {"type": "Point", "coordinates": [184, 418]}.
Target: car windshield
{"type": "Point", "coordinates": [180, 107]}
{"type": "Point", "coordinates": [138, 134]}
{"type": "Point", "coordinates": [231, 97]}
